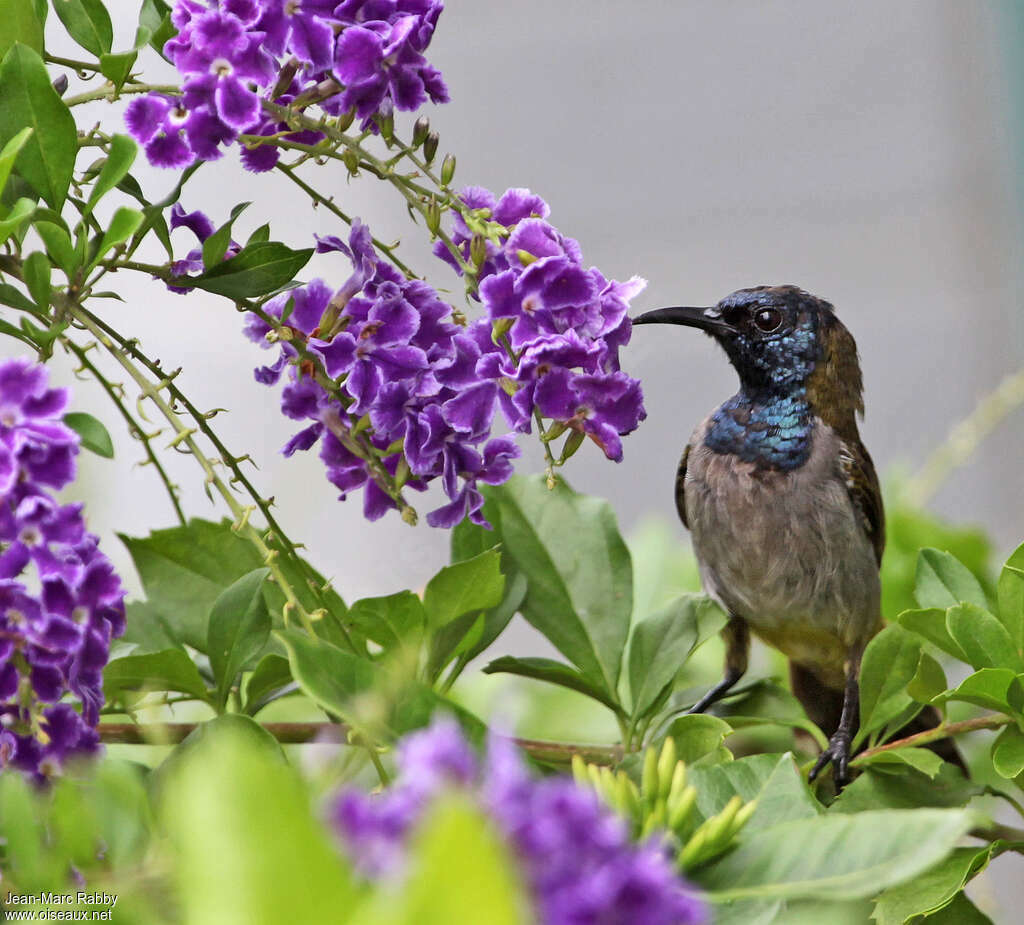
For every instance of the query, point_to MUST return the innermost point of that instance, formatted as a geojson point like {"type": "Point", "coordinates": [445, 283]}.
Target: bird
{"type": "Point", "coordinates": [783, 503]}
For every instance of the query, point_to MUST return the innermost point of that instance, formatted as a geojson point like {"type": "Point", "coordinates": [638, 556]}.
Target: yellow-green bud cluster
{"type": "Point", "coordinates": [664, 802]}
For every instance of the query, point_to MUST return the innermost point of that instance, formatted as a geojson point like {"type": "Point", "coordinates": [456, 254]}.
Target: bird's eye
{"type": "Point", "coordinates": [767, 319]}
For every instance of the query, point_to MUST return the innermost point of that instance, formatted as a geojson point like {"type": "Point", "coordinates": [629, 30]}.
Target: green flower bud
{"type": "Point", "coordinates": [386, 124]}
{"type": "Point", "coordinates": [447, 169]}
{"type": "Point", "coordinates": [345, 120]}
{"type": "Point", "coordinates": [420, 131]}
{"type": "Point", "coordinates": [351, 160]}
{"type": "Point", "coordinates": [649, 777]}
{"type": "Point", "coordinates": [525, 257]}
{"type": "Point", "coordinates": [693, 850]}
{"type": "Point", "coordinates": [499, 329]}
{"type": "Point", "coordinates": [679, 811]}
{"type": "Point", "coordinates": [627, 797]}
{"type": "Point", "coordinates": [430, 146]}
{"type": "Point", "coordinates": [678, 783]}
{"type": "Point", "coordinates": [720, 826]}
{"type": "Point", "coordinates": [478, 249]}
{"type": "Point", "coordinates": [666, 766]}
{"type": "Point", "coordinates": [579, 770]}
{"type": "Point", "coordinates": [433, 216]}
{"type": "Point", "coordinates": [572, 443]}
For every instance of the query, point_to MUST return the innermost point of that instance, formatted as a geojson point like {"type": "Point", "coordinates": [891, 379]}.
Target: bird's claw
{"type": "Point", "coordinates": [838, 754]}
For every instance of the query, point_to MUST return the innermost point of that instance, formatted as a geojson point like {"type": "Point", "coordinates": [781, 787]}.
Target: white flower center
{"type": "Point", "coordinates": [80, 614]}
{"type": "Point", "coordinates": [221, 67]}
{"type": "Point", "coordinates": [30, 536]}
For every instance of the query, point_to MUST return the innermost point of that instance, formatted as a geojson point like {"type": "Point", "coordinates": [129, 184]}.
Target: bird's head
{"type": "Point", "coordinates": [781, 339]}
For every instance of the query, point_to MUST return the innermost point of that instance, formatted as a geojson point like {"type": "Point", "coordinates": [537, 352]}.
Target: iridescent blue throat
{"type": "Point", "coordinates": [772, 430]}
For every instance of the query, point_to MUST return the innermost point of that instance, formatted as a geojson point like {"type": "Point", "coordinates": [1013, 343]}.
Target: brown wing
{"type": "Point", "coordinates": [862, 485]}
{"type": "Point", "coordinates": [680, 479]}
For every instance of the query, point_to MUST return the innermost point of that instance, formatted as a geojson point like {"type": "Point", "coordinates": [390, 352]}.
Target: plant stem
{"type": "Point", "coordinates": [942, 731]}
{"type": "Point", "coordinates": [109, 93]}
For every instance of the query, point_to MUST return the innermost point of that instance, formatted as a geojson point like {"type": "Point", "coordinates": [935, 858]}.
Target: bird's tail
{"type": "Point", "coordinates": [824, 706]}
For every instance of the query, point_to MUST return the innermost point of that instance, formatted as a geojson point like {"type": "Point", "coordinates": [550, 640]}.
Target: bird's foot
{"type": "Point", "coordinates": [838, 754]}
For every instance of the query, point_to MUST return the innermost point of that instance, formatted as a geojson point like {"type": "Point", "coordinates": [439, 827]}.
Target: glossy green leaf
{"type": "Point", "coordinates": [697, 735]}
{"type": "Point", "coordinates": [330, 677]}
{"type": "Point", "coordinates": [393, 621]}
{"type": "Point", "coordinates": [578, 569]}
{"type": "Point", "coordinates": [120, 158]}
{"type": "Point", "coordinates": [920, 759]}
{"type": "Point", "coordinates": [10, 152]}
{"type": "Point", "coordinates": [122, 226]}
{"type": "Point", "coordinates": [20, 24]}
{"type": "Point", "coordinates": [1008, 753]}
{"type": "Point", "coordinates": [983, 638]}
{"type": "Point", "coordinates": [238, 629]}
{"type": "Point", "coordinates": [255, 271]}
{"type": "Point", "coordinates": [260, 235]}
{"type": "Point", "coordinates": [27, 100]}
{"type": "Point", "coordinates": [930, 624]}
{"type": "Point", "coordinates": [250, 849]}
{"type": "Point", "coordinates": [20, 212]}
{"type": "Point", "coordinates": [661, 644]}
{"type": "Point", "coordinates": [87, 22]}
{"type": "Point", "coordinates": [1011, 597]}
{"type": "Point", "coordinates": [93, 434]}
{"type": "Point", "coordinates": [270, 676]}
{"type": "Point", "coordinates": [58, 246]}
{"type": "Point", "coordinates": [216, 245]}
{"type": "Point", "coordinates": [36, 269]}
{"type": "Point", "coordinates": [929, 680]}
{"type": "Point", "coordinates": [473, 584]}
{"type": "Point", "coordinates": [889, 663]}
{"type": "Point", "coordinates": [989, 688]}
{"type": "Point", "coordinates": [552, 672]}
{"type": "Point", "coordinates": [169, 670]}
{"type": "Point", "coordinates": [932, 890]}
{"type": "Point", "coordinates": [117, 67]}
{"type": "Point", "coordinates": [841, 856]}
{"type": "Point", "coordinates": [943, 580]}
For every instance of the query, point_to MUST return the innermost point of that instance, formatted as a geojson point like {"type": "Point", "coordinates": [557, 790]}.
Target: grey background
{"type": "Point", "coordinates": [867, 152]}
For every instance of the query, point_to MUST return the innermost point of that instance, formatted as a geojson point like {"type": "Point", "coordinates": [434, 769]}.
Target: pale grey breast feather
{"type": "Point", "coordinates": [786, 551]}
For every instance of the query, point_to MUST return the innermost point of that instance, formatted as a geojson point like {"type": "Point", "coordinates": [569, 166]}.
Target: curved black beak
{"type": "Point", "coordinates": [707, 319]}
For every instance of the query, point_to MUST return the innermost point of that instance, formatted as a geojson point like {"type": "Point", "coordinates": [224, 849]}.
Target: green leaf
{"type": "Point", "coordinates": [943, 580]}
{"type": "Point", "coordinates": [117, 67]}
{"type": "Point", "coordinates": [552, 672]}
{"type": "Point", "coordinates": [122, 226]}
{"type": "Point", "coordinates": [27, 100]}
{"type": "Point", "coordinates": [271, 675]}
{"type": "Point", "coordinates": [929, 680]}
{"type": "Point", "coordinates": [155, 19]}
{"type": "Point", "coordinates": [254, 271]}
{"type": "Point", "coordinates": [930, 624]}
{"type": "Point", "coordinates": [1011, 597]}
{"type": "Point", "coordinates": [58, 246]}
{"type": "Point", "coordinates": [36, 270]}
{"type": "Point", "coordinates": [661, 644]}
{"type": "Point", "coordinates": [961, 911]}
{"type": "Point", "coordinates": [231, 808]}
{"type": "Point", "coordinates": [460, 871]}
{"type": "Point", "coordinates": [21, 24]}
{"type": "Point", "coordinates": [93, 434]}
{"type": "Point", "coordinates": [184, 570]}
{"type": "Point", "coordinates": [87, 22]}
{"type": "Point", "coordinates": [473, 584]}
{"type": "Point", "coordinates": [698, 735]}
{"type": "Point", "coordinates": [899, 786]}
{"type": "Point", "coordinates": [11, 296]}
{"type": "Point", "coordinates": [170, 670]}
{"type": "Point", "coordinates": [327, 675]}
{"type": "Point", "coordinates": [889, 663]}
{"type": "Point", "coordinates": [989, 688]}
{"type": "Point", "coordinates": [216, 245]}
{"type": "Point", "coordinates": [920, 759]}
{"type": "Point", "coordinates": [11, 225]}
{"type": "Point", "coordinates": [841, 856]}
{"type": "Point", "coordinates": [933, 890]}
{"type": "Point", "coordinates": [260, 235]}
{"type": "Point", "coordinates": [238, 629]}
{"type": "Point", "coordinates": [982, 637]}
{"type": "Point", "coordinates": [578, 569]}
{"type": "Point", "coordinates": [123, 152]}
{"type": "Point", "coordinates": [393, 621]}
{"type": "Point", "coordinates": [12, 149]}
{"type": "Point", "coordinates": [1008, 753]}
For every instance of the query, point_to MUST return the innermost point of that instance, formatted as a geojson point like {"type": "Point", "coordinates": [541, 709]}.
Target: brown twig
{"type": "Point", "coordinates": [943, 731]}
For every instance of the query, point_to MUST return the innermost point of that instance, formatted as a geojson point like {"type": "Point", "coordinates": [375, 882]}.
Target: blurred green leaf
{"type": "Point", "coordinates": [1011, 597]}
{"type": "Point", "coordinates": [961, 911]}
{"type": "Point", "coordinates": [238, 628]}
{"type": "Point", "coordinates": [22, 822]}
{"type": "Point", "coordinates": [470, 585]}
{"type": "Point", "coordinates": [87, 22]}
{"type": "Point", "coordinates": [889, 663]}
{"type": "Point", "coordinates": [552, 672]}
{"type": "Point", "coordinates": [578, 571]}
{"type": "Point", "coordinates": [254, 271]}
{"type": "Point", "coordinates": [27, 100]}
{"type": "Point", "coordinates": [943, 581]}
{"type": "Point", "coordinates": [698, 735]}
{"type": "Point", "coordinates": [841, 856]}
{"type": "Point", "coordinates": [93, 434]}
{"type": "Point", "coordinates": [21, 24]}
{"type": "Point", "coordinates": [249, 850]}
{"type": "Point", "coordinates": [393, 621]}
{"type": "Point", "coordinates": [170, 670]}
{"type": "Point", "coordinates": [1008, 753]}
{"type": "Point", "coordinates": [271, 675]}
{"type": "Point", "coordinates": [903, 787]}
{"type": "Point", "coordinates": [982, 637]}
{"type": "Point", "coordinates": [327, 675]}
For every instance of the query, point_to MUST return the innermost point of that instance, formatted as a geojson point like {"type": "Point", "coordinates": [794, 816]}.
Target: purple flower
{"type": "Point", "coordinates": [55, 638]}
{"type": "Point", "coordinates": [574, 853]}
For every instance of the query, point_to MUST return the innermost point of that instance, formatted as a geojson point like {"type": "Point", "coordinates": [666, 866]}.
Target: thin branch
{"type": "Point", "coordinates": [942, 731]}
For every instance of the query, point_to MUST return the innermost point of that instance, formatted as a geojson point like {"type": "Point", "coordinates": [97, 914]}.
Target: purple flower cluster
{"type": "Point", "coordinates": [574, 853]}
{"type": "Point", "coordinates": [231, 53]}
{"type": "Point", "coordinates": [406, 381]}
{"type": "Point", "coordinates": [55, 636]}
{"type": "Point", "coordinates": [564, 323]}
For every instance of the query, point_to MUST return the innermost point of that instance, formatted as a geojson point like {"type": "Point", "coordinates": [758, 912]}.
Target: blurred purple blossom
{"type": "Point", "coordinates": [54, 638]}
{"type": "Point", "coordinates": [574, 853]}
